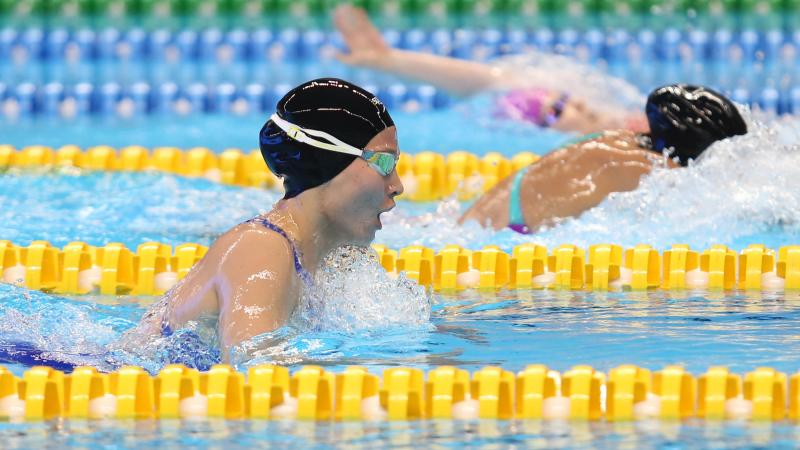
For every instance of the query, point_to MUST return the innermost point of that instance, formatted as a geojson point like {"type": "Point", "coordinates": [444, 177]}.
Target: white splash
{"type": "Point", "coordinates": [352, 293]}
{"type": "Point", "coordinates": [563, 73]}
{"type": "Point", "coordinates": [354, 308]}
{"type": "Point", "coordinates": [741, 187]}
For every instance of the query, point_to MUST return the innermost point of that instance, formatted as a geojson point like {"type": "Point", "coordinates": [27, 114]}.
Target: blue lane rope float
{"type": "Point", "coordinates": [142, 98]}
{"type": "Point", "coordinates": [722, 43]}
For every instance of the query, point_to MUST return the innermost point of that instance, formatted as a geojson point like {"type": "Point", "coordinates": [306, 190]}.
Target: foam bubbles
{"type": "Point", "coordinates": [740, 187]}
{"type": "Point", "coordinates": [40, 328]}
{"type": "Point", "coordinates": [419, 224]}
{"type": "Point", "coordinates": [352, 292]}
{"type": "Point", "coordinates": [562, 73]}
{"type": "Point", "coordinates": [741, 190]}
{"type": "Point", "coordinates": [354, 309]}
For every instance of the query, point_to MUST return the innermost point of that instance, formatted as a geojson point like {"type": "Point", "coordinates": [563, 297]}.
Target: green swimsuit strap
{"type": "Point", "coordinates": [514, 206]}
{"type": "Point", "coordinates": [583, 138]}
{"type": "Point", "coordinates": [514, 198]}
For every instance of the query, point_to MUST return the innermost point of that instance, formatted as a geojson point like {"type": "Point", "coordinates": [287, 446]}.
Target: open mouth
{"type": "Point", "coordinates": [382, 211]}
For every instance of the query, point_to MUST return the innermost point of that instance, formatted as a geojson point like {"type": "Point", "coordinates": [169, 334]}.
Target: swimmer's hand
{"type": "Point", "coordinates": [364, 41]}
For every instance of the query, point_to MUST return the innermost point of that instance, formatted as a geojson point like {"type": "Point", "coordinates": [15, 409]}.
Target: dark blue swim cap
{"type": "Point", "coordinates": [337, 107]}
{"type": "Point", "coordinates": [689, 118]}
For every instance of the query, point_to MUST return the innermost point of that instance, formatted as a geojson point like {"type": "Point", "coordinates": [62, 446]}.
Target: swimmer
{"type": "Point", "coordinates": [335, 146]}
{"type": "Point", "coordinates": [520, 101]}
{"type": "Point", "coordinates": [684, 120]}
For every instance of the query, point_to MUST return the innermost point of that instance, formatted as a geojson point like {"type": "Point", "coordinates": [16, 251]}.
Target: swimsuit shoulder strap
{"type": "Point", "coordinates": [298, 265]}
{"type": "Point", "coordinates": [515, 217]}
{"type": "Point", "coordinates": [583, 138]}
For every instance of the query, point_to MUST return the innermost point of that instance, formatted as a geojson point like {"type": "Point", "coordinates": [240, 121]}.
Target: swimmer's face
{"type": "Point", "coordinates": [577, 116]}
{"type": "Point", "coordinates": [354, 199]}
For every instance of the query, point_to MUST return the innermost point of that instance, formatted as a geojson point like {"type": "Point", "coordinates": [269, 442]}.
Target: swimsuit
{"type": "Point", "coordinates": [298, 265]}
{"type": "Point", "coordinates": [516, 221]}
{"type": "Point", "coordinates": [166, 330]}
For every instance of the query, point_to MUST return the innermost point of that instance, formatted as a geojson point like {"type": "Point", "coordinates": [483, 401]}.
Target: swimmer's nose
{"type": "Point", "coordinates": [394, 185]}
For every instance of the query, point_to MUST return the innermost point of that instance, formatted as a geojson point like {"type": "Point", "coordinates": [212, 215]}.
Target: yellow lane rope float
{"type": "Point", "coordinates": [582, 393]}
{"type": "Point", "coordinates": [428, 176]}
{"type": "Point", "coordinates": [153, 267]}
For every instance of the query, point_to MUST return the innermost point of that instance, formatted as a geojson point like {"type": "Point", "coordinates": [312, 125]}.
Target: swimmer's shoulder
{"type": "Point", "coordinates": [254, 242]}
{"type": "Point", "coordinates": [631, 146]}
{"type": "Point", "coordinates": [611, 140]}
{"type": "Point", "coordinates": [619, 145]}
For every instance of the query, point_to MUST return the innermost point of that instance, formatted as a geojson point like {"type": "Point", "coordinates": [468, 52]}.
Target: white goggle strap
{"type": "Point", "coordinates": [303, 135]}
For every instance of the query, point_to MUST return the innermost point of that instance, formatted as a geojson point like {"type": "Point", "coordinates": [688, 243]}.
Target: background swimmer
{"type": "Point", "coordinates": [684, 120]}
{"type": "Point", "coordinates": [335, 146]}
{"type": "Point", "coordinates": [520, 100]}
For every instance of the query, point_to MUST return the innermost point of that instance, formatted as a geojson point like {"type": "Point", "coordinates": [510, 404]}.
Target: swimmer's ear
{"type": "Point", "coordinates": [363, 39]}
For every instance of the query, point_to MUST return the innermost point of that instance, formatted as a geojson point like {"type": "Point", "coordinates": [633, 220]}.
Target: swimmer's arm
{"type": "Point", "coordinates": [254, 288]}
{"type": "Point", "coordinates": [570, 190]}
{"type": "Point", "coordinates": [492, 208]}
{"type": "Point", "coordinates": [368, 49]}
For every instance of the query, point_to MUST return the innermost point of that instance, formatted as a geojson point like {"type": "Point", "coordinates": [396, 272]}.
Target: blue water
{"type": "Point", "coordinates": [560, 329]}
{"type": "Point", "coordinates": [433, 434]}
{"type": "Point", "coordinates": [431, 130]}
{"type": "Point", "coordinates": [141, 207]}
{"type": "Point", "coordinates": [742, 193]}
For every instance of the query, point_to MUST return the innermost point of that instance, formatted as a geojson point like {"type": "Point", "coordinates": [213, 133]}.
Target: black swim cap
{"type": "Point", "coordinates": [337, 107]}
{"type": "Point", "coordinates": [689, 118]}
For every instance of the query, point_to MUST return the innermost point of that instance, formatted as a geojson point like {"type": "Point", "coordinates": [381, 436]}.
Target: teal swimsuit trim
{"type": "Point", "coordinates": [516, 221]}
{"type": "Point", "coordinates": [515, 217]}
{"type": "Point", "coordinates": [583, 138]}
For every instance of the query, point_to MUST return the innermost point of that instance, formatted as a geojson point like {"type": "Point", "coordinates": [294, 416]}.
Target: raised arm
{"type": "Point", "coordinates": [368, 49]}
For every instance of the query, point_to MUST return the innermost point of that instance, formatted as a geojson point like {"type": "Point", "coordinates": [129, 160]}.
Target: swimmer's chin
{"type": "Point", "coordinates": [364, 240]}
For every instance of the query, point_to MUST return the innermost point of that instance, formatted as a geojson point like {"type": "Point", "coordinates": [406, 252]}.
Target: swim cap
{"type": "Point", "coordinates": [689, 118]}
{"type": "Point", "coordinates": [334, 106]}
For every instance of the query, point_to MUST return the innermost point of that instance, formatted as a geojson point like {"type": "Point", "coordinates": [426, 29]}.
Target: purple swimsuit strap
{"type": "Point", "coordinates": [298, 265]}
{"type": "Point", "coordinates": [520, 228]}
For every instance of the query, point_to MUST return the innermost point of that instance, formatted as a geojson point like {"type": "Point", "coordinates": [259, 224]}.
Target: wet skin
{"type": "Point", "coordinates": [569, 181]}
{"type": "Point", "coordinates": [248, 278]}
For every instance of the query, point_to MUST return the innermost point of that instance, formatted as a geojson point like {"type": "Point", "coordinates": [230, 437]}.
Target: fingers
{"type": "Point", "coordinates": [345, 21]}
{"type": "Point", "coordinates": [363, 41]}
{"type": "Point", "coordinates": [340, 14]}
{"type": "Point", "coordinates": [354, 23]}
{"type": "Point", "coordinates": [344, 58]}
{"type": "Point", "coordinates": [348, 18]}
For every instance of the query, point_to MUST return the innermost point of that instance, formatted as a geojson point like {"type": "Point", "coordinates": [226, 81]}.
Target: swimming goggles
{"type": "Point", "coordinates": [556, 109]}
{"type": "Point", "coordinates": [383, 162]}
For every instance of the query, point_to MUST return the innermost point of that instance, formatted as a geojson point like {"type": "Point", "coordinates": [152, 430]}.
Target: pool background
{"type": "Point", "coordinates": [753, 203]}
{"type": "Point", "coordinates": [558, 328]}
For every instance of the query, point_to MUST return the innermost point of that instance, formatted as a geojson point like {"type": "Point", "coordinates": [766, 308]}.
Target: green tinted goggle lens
{"type": "Point", "coordinates": [383, 162]}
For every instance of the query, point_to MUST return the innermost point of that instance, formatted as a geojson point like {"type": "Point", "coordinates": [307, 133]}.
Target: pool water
{"type": "Point", "coordinates": [406, 434]}
{"type": "Point", "coordinates": [560, 329]}
{"type": "Point", "coordinates": [741, 193]}
{"type": "Point", "coordinates": [430, 130]}
{"type": "Point", "coordinates": [649, 329]}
